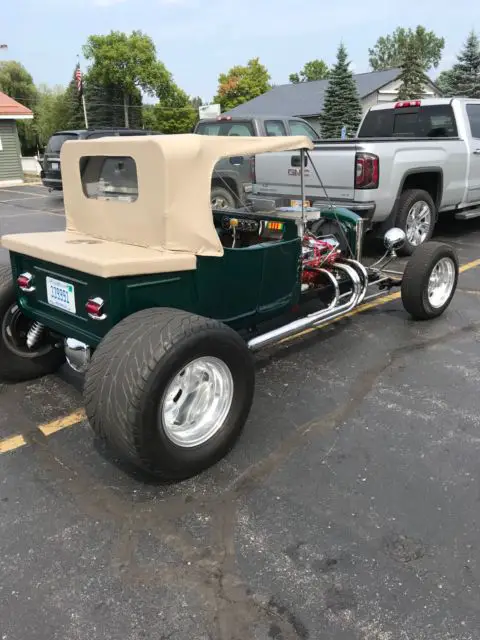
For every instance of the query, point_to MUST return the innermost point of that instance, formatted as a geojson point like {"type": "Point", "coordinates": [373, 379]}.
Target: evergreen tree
{"type": "Point", "coordinates": [464, 77]}
{"type": "Point", "coordinates": [342, 103]}
{"type": "Point", "coordinates": [412, 75]}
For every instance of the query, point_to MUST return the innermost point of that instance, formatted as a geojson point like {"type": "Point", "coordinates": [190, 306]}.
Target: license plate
{"type": "Point", "coordinates": [55, 166]}
{"type": "Point", "coordinates": [298, 203]}
{"type": "Point", "coordinates": [61, 295]}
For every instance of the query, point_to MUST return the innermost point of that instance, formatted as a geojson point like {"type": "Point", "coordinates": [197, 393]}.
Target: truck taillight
{"type": "Point", "coordinates": [25, 282]}
{"type": "Point", "coordinates": [367, 171]}
{"type": "Point", "coordinates": [94, 308]}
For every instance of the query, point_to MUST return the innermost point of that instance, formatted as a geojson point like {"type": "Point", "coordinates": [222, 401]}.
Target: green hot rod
{"type": "Point", "coordinates": [161, 301]}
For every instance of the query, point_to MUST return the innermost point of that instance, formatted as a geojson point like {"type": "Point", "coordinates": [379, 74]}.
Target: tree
{"type": "Point", "coordinates": [313, 70]}
{"type": "Point", "coordinates": [445, 82]}
{"type": "Point", "coordinates": [241, 84]}
{"type": "Point", "coordinates": [389, 51]}
{"type": "Point", "coordinates": [126, 62]}
{"type": "Point", "coordinates": [463, 79]}
{"type": "Point", "coordinates": [17, 83]}
{"type": "Point", "coordinates": [342, 103]}
{"type": "Point", "coordinates": [51, 113]}
{"type": "Point", "coordinates": [176, 113]}
{"type": "Point", "coordinates": [412, 76]}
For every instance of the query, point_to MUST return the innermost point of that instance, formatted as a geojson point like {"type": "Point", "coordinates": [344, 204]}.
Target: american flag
{"type": "Point", "coordinates": [79, 80]}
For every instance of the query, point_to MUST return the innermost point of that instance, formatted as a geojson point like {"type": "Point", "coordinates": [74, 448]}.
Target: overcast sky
{"type": "Point", "coordinates": [198, 39]}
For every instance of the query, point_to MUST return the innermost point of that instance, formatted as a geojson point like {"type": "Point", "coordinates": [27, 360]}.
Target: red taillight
{"type": "Point", "coordinates": [408, 103]}
{"type": "Point", "coordinates": [367, 171]}
{"type": "Point", "coordinates": [94, 308]}
{"type": "Point", "coordinates": [25, 281]}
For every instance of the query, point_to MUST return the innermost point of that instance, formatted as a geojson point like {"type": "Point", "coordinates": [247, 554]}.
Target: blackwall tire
{"type": "Point", "coordinates": [409, 201]}
{"type": "Point", "coordinates": [431, 262]}
{"type": "Point", "coordinates": [13, 366]}
{"type": "Point", "coordinates": [128, 390]}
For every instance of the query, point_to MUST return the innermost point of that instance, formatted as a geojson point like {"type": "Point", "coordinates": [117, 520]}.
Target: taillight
{"type": "Point", "coordinates": [367, 171]}
{"type": "Point", "coordinates": [408, 103]}
{"type": "Point", "coordinates": [25, 281]}
{"type": "Point", "coordinates": [95, 309]}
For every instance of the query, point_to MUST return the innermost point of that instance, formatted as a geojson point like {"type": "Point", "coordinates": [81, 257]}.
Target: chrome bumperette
{"type": "Point", "coordinates": [78, 354]}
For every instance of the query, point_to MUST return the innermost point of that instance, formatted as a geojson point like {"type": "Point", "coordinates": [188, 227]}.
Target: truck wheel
{"type": "Point", "coordinates": [18, 363]}
{"type": "Point", "coordinates": [429, 280]}
{"type": "Point", "coordinates": [222, 198]}
{"type": "Point", "coordinates": [170, 391]}
{"type": "Point", "coordinates": [416, 216]}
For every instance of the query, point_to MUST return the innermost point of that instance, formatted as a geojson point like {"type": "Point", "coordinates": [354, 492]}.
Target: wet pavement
{"type": "Point", "coordinates": [348, 510]}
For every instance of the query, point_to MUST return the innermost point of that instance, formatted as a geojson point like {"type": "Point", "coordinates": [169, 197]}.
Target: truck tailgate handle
{"type": "Point", "coordinates": [236, 160]}
{"type": "Point", "coordinates": [477, 152]}
{"type": "Point", "coordinates": [295, 161]}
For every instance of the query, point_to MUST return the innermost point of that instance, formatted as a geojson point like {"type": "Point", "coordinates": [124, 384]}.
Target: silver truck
{"type": "Point", "coordinates": [232, 177]}
{"type": "Point", "coordinates": [410, 162]}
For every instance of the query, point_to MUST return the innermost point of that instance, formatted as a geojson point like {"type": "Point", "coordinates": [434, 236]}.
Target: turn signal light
{"type": "Point", "coordinates": [24, 281]}
{"type": "Point", "coordinates": [94, 308]}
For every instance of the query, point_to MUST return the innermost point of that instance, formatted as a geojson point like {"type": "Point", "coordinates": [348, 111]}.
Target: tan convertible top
{"type": "Point", "coordinates": [173, 210]}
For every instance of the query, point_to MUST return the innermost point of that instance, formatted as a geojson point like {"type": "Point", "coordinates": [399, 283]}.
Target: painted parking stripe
{"type": "Point", "coordinates": [50, 428]}
{"type": "Point", "coordinates": [72, 419]}
{"type": "Point", "coordinates": [10, 444]}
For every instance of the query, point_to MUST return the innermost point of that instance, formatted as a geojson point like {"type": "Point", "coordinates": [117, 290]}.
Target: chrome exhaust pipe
{"type": "Point", "coordinates": [331, 312]}
{"type": "Point", "coordinates": [78, 354]}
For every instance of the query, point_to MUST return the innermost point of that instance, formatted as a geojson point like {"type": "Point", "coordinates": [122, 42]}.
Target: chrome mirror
{"type": "Point", "coordinates": [394, 239]}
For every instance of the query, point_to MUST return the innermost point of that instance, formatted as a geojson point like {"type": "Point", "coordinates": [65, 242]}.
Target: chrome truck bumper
{"type": "Point", "coordinates": [78, 354]}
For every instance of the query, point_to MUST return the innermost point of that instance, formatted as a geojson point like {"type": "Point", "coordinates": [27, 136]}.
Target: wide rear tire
{"type": "Point", "coordinates": [430, 280]}
{"type": "Point", "coordinates": [130, 400]}
{"type": "Point", "coordinates": [17, 363]}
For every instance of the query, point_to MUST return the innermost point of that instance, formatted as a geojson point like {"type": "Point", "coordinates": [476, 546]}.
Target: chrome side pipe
{"type": "Point", "coordinates": [332, 311]}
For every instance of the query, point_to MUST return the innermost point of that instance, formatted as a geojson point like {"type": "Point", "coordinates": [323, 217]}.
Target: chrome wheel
{"type": "Point", "coordinates": [219, 203]}
{"type": "Point", "coordinates": [197, 402]}
{"type": "Point", "coordinates": [418, 223]}
{"type": "Point", "coordinates": [441, 282]}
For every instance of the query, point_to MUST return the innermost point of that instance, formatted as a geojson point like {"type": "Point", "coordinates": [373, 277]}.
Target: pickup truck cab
{"type": "Point", "coordinates": [232, 178]}
{"type": "Point", "coordinates": [410, 162]}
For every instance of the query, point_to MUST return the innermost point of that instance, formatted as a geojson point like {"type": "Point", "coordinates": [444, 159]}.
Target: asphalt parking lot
{"type": "Point", "coordinates": [349, 509]}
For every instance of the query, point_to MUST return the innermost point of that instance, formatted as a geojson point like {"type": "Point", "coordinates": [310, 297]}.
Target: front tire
{"type": "Point", "coordinates": [170, 391]}
{"type": "Point", "coordinates": [430, 280]}
{"type": "Point", "coordinates": [416, 216]}
{"type": "Point", "coordinates": [17, 362]}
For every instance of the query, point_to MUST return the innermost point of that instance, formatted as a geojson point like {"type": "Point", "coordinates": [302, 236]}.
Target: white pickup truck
{"type": "Point", "coordinates": [409, 162]}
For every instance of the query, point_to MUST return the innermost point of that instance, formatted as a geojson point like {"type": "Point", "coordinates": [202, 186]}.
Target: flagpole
{"type": "Point", "coordinates": [79, 79]}
{"type": "Point", "coordinates": [85, 111]}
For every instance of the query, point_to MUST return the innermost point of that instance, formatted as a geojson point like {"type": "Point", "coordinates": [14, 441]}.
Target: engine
{"type": "Point", "coordinates": [317, 254]}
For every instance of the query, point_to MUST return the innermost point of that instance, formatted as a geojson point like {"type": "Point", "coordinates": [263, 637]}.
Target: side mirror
{"type": "Point", "coordinates": [394, 239]}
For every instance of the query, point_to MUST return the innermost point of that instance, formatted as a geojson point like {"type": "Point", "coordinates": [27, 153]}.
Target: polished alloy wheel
{"type": "Point", "coordinates": [197, 402]}
{"type": "Point", "coordinates": [441, 282]}
{"type": "Point", "coordinates": [418, 223]}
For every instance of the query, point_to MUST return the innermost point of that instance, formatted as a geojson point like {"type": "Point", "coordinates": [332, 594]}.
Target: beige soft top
{"type": "Point", "coordinates": [172, 212]}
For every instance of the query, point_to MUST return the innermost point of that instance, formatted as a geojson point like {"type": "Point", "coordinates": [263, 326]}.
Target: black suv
{"type": "Point", "coordinates": [51, 174]}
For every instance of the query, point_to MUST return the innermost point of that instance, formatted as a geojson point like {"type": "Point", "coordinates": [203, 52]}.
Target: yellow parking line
{"type": "Point", "coordinates": [62, 423]}
{"type": "Point", "coordinates": [10, 444]}
{"type": "Point", "coordinates": [470, 265]}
